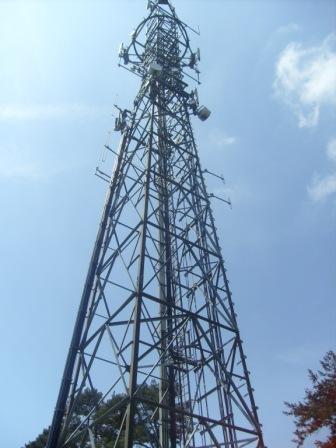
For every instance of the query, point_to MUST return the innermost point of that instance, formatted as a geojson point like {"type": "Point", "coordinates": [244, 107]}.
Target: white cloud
{"type": "Point", "coordinates": [221, 139]}
{"type": "Point", "coordinates": [306, 79]}
{"type": "Point", "coordinates": [279, 35]}
{"type": "Point", "coordinates": [49, 111]}
{"type": "Point", "coordinates": [24, 170]}
{"type": "Point", "coordinates": [331, 149]}
{"type": "Point", "coordinates": [300, 355]}
{"type": "Point", "coordinates": [22, 163]}
{"type": "Point", "coordinates": [224, 141]}
{"type": "Point", "coordinates": [289, 28]}
{"type": "Point", "coordinates": [321, 188]}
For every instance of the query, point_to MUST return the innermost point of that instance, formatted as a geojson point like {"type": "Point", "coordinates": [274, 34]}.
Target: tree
{"type": "Point", "coordinates": [109, 422]}
{"type": "Point", "coordinates": [318, 409]}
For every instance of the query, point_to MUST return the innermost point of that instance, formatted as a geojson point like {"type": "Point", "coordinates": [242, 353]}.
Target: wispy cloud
{"type": "Point", "coordinates": [323, 187]}
{"type": "Point", "coordinates": [21, 170]}
{"type": "Point", "coordinates": [279, 35]}
{"type": "Point", "coordinates": [20, 163]}
{"type": "Point", "coordinates": [306, 79]}
{"type": "Point", "coordinates": [31, 112]}
{"type": "Point", "coordinates": [220, 139]}
{"type": "Point", "coordinates": [331, 149]}
{"type": "Point", "coordinates": [224, 141]}
{"type": "Point", "coordinates": [289, 28]}
{"type": "Point", "coordinates": [300, 355]}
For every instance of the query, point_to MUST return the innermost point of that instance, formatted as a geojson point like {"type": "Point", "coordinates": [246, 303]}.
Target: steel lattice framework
{"type": "Point", "coordinates": [156, 305]}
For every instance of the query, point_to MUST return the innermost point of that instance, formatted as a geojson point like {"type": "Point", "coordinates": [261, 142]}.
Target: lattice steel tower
{"type": "Point", "coordinates": [156, 312]}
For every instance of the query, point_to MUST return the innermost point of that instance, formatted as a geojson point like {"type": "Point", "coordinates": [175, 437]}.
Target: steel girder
{"type": "Point", "coordinates": [156, 306]}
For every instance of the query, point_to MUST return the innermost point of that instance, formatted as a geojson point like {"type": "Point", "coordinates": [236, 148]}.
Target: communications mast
{"type": "Point", "coordinates": [156, 345]}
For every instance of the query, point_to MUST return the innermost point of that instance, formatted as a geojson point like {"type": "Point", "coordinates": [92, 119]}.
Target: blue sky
{"type": "Point", "coordinates": [269, 77]}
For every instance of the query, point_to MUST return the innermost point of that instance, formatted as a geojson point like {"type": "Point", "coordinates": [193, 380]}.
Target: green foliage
{"type": "Point", "coordinates": [318, 409]}
{"type": "Point", "coordinates": [40, 441]}
{"type": "Point", "coordinates": [108, 417]}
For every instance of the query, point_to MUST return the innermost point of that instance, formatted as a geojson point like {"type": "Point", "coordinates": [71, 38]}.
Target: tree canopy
{"type": "Point", "coordinates": [318, 409]}
{"type": "Point", "coordinates": [108, 415]}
